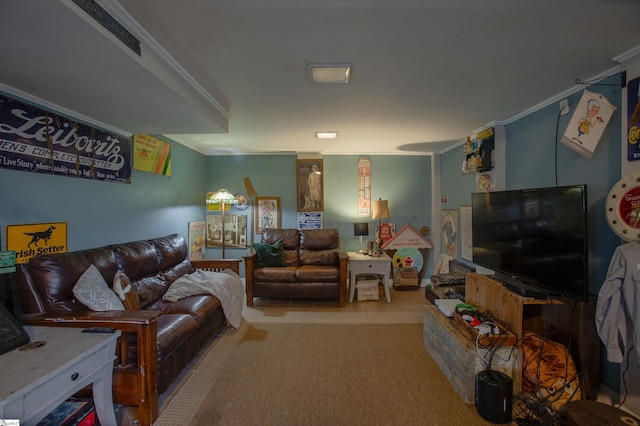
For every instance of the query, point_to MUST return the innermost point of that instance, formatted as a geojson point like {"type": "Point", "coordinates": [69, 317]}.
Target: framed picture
{"type": "Point", "coordinates": [235, 230]}
{"type": "Point", "coordinates": [267, 213]}
{"type": "Point", "coordinates": [196, 239]}
{"type": "Point", "coordinates": [309, 185]}
{"type": "Point", "coordinates": [450, 232]}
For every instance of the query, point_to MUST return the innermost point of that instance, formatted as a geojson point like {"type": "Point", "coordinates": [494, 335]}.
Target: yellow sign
{"type": "Point", "coordinates": [42, 238]}
{"type": "Point", "coordinates": [151, 155]}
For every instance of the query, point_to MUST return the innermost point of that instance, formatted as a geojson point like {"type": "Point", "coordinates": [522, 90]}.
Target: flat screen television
{"type": "Point", "coordinates": [534, 238]}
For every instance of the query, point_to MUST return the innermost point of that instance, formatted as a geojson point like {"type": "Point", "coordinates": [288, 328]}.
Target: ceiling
{"type": "Point", "coordinates": [229, 76]}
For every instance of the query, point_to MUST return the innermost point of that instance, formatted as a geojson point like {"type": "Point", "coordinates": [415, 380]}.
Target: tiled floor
{"type": "Point", "coordinates": [406, 307]}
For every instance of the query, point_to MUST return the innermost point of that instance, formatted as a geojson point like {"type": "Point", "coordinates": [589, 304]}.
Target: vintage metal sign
{"type": "Point", "coordinates": [42, 238]}
{"type": "Point", "coordinates": [34, 140]}
{"type": "Point", "coordinates": [151, 155]}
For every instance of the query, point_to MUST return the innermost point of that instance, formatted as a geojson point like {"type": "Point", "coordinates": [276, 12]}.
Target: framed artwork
{"type": "Point", "coordinates": [466, 237]}
{"type": "Point", "coordinates": [310, 185]}
{"type": "Point", "coordinates": [196, 239]}
{"type": "Point", "coordinates": [267, 213]}
{"type": "Point", "coordinates": [235, 230]}
{"type": "Point", "coordinates": [450, 232]}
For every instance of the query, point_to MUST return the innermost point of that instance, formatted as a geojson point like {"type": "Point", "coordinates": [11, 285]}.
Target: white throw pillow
{"type": "Point", "coordinates": [93, 292]}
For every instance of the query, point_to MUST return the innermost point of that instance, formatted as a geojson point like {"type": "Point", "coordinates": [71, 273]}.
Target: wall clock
{"type": "Point", "coordinates": [243, 202]}
{"type": "Point", "coordinates": [623, 208]}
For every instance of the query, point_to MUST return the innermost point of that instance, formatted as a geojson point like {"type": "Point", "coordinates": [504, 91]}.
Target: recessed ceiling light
{"type": "Point", "coordinates": [326, 135]}
{"type": "Point", "coordinates": [329, 73]}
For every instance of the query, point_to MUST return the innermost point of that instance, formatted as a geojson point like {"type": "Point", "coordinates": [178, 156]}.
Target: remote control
{"type": "Point", "coordinates": [99, 330]}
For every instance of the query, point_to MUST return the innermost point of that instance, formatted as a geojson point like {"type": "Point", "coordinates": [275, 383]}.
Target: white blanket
{"type": "Point", "coordinates": [226, 286]}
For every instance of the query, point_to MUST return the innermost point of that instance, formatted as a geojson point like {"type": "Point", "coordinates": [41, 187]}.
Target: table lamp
{"type": "Point", "coordinates": [380, 211]}
{"type": "Point", "coordinates": [360, 229]}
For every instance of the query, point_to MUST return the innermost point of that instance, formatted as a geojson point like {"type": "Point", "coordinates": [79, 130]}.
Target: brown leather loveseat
{"type": "Point", "coordinates": [159, 340]}
{"type": "Point", "coordinates": [313, 267]}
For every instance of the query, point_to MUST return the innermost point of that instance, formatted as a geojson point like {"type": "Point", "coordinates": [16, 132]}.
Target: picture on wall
{"type": "Point", "coordinates": [450, 232]}
{"type": "Point", "coordinates": [196, 239]}
{"type": "Point", "coordinates": [267, 213]}
{"type": "Point", "coordinates": [309, 185]}
{"type": "Point", "coordinates": [235, 230]}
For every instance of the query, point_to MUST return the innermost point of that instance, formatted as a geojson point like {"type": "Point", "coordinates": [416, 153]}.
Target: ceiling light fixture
{"type": "Point", "coordinates": [326, 135]}
{"type": "Point", "coordinates": [329, 73]}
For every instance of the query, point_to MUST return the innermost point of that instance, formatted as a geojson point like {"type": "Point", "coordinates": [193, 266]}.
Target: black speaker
{"type": "Point", "coordinates": [494, 396]}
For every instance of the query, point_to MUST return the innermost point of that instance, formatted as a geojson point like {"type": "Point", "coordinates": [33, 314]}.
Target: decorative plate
{"type": "Point", "coordinates": [243, 202]}
{"type": "Point", "coordinates": [484, 183]}
{"type": "Point", "coordinates": [623, 208]}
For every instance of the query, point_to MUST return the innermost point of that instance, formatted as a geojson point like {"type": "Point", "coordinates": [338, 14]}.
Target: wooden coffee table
{"type": "Point", "coordinates": [365, 264]}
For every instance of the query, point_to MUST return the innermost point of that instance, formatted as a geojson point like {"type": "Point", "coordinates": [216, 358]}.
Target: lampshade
{"type": "Point", "coordinates": [360, 229]}
{"type": "Point", "coordinates": [224, 196]}
{"type": "Point", "coordinates": [380, 209]}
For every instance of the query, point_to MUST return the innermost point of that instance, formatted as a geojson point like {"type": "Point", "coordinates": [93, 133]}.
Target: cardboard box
{"type": "Point", "coordinates": [367, 290]}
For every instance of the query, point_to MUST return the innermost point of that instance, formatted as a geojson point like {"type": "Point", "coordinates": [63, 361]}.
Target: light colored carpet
{"type": "Point", "coordinates": [317, 365]}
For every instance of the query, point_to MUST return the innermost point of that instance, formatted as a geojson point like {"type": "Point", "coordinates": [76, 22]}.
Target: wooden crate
{"type": "Point", "coordinates": [505, 338]}
{"type": "Point", "coordinates": [459, 359]}
{"type": "Point", "coordinates": [488, 294]}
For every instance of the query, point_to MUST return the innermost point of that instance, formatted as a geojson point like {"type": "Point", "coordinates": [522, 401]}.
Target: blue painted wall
{"type": "Point", "coordinates": [100, 213]}
{"type": "Point", "coordinates": [532, 146]}
{"type": "Point", "coordinates": [405, 181]}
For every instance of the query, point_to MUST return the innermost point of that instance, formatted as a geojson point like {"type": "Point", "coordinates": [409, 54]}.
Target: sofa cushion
{"type": "Point", "coordinates": [285, 274]}
{"type": "Point", "coordinates": [317, 274]}
{"type": "Point", "coordinates": [198, 306]}
{"type": "Point", "coordinates": [54, 275]}
{"type": "Point", "coordinates": [93, 292]}
{"type": "Point", "coordinates": [319, 247]}
{"type": "Point", "coordinates": [270, 254]}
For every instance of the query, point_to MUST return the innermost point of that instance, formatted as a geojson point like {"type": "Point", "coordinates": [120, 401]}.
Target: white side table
{"type": "Point", "coordinates": [363, 264]}
{"type": "Point", "coordinates": [35, 381]}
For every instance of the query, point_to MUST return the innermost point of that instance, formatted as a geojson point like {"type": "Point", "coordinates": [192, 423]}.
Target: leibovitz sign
{"type": "Point", "coordinates": [35, 140]}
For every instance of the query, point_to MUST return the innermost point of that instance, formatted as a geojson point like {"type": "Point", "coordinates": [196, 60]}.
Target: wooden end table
{"type": "Point", "coordinates": [36, 380]}
{"type": "Point", "coordinates": [365, 264]}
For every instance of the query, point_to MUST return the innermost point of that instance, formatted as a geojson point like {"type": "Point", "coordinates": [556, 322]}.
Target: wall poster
{"type": "Point", "coordinates": [450, 232]}
{"type": "Point", "coordinates": [151, 155]}
{"type": "Point", "coordinates": [309, 220]}
{"type": "Point", "coordinates": [364, 187]}
{"type": "Point", "coordinates": [466, 237]}
{"type": "Point", "coordinates": [267, 213]}
{"type": "Point", "coordinates": [33, 239]}
{"type": "Point", "coordinates": [309, 185]}
{"type": "Point", "coordinates": [588, 123]}
{"type": "Point", "coordinates": [235, 230]}
{"type": "Point", "coordinates": [196, 239]}
{"type": "Point", "coordinates": [38, 141]}
{"type": "Point", "coordinates": [633, 122]}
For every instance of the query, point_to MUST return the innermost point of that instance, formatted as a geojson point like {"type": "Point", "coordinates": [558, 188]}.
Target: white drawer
{"type": "Point", "coordinates": [67, 382]}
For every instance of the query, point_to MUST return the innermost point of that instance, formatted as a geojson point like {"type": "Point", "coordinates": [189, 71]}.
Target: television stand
{"type": "Point", "coordinates": [524, 290]}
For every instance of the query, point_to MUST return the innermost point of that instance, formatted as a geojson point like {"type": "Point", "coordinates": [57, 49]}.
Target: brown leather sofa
{"type": "Point", "coordinates": [315, 267]}
{"type": "Point", "coordinates": [159, 340]}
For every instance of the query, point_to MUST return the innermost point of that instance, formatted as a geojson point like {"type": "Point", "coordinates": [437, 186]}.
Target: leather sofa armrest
{"type": "Point", "coordinates": [343, 258]}
{"type": "Point", "coordinates": [217, 264]}
{"type": "Point", "coordinates": [142, 323]}
{"type": "Point", "coordinates": [249, 264]}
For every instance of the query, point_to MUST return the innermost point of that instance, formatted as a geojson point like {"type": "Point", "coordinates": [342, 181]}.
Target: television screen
{"type": "Point", "coordinates": [537, 236]}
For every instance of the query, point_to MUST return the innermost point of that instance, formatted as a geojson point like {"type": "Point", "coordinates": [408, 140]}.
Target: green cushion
{"type": "Point", "coordinates": [270, 254]}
